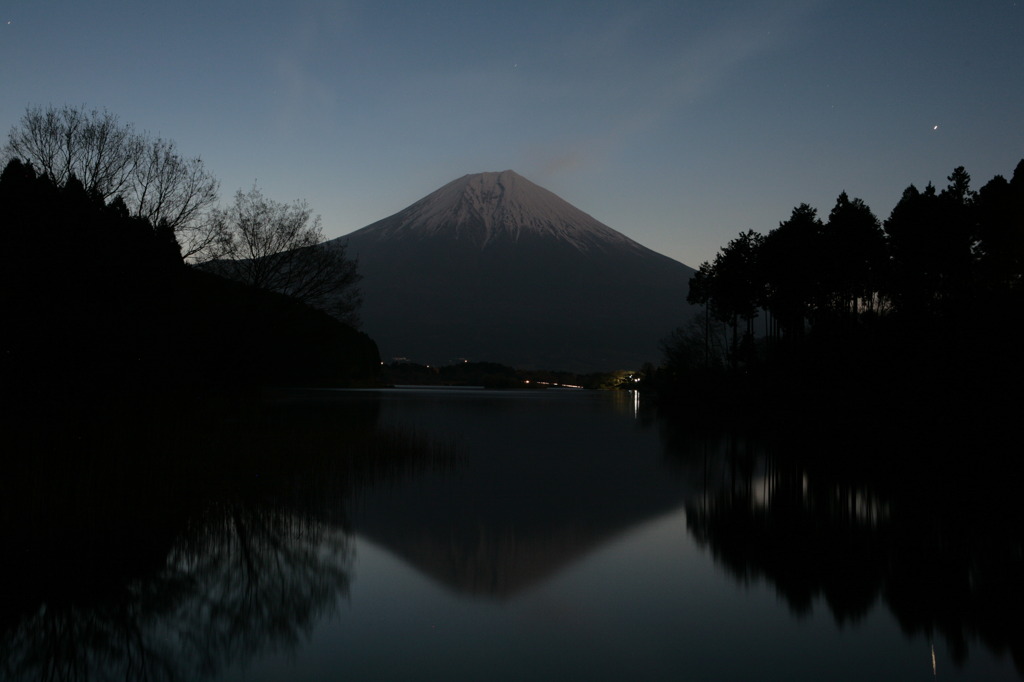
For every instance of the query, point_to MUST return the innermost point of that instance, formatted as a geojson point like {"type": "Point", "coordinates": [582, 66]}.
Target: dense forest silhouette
{"type": "Point", "coordinates": [101, 311]}
{"type": "Point", "coordinates": [850, 317]}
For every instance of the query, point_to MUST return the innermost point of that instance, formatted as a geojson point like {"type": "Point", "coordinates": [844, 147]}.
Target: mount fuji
{"type": "Point", "coordinates": [492, 267]}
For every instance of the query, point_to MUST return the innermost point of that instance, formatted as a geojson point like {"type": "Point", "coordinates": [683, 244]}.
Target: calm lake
{"type": "Point", "coordinates": [534, 535]}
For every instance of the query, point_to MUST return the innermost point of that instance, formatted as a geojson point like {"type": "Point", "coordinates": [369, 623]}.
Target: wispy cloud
{"type": "Point", "coordinates": [647, 92]}
{"type": "Point", "coordinates": [303, 90]}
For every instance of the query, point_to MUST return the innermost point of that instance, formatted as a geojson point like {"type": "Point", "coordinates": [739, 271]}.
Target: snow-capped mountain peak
{"type": "Point", "coordinates": [497, 206]}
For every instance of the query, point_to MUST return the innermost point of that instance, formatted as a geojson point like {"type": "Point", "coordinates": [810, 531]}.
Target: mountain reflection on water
{"type": "Point", "coordinates": [196, 556]}
{"type": "Point", "coordinates": [545, 479]}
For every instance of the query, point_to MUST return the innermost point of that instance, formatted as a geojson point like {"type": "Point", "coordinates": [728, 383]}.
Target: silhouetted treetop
{"type": "Point", "coordinates": [854, 257]}
{"type": "Point", "coordinates": [112, 159]}
{"type": "Point", "coordinates": [277, 247]}
{"type": "Point", "coordinates": [96, 301]}
{"type": "Point", "coordinates": [936, 291]}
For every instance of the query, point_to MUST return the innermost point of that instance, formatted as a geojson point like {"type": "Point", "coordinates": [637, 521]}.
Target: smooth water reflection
{"type": "Point", "coordinates": [249, 583]}
{"type": "Point", "coordinates": [567, 538]}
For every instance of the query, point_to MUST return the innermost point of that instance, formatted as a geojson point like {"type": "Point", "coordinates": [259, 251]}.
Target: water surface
{"type": "Point", "coordinates": [537, 535]}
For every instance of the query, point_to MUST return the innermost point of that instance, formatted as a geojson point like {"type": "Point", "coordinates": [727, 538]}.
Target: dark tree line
{"type": "Point", "coordinates": [255, 240]}
{"type": "Point", "coordinates": [112, 159]}
{"type": "Point", "coordinates": [98, 308]}
{"type": "Point", "coordinates": [938, 252]}
{"type": "Point", "coordinates": [937, 286]}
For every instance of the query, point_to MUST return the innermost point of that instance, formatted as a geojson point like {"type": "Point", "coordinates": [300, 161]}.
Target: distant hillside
{"type": "Point", "coordinates": [493, 267]}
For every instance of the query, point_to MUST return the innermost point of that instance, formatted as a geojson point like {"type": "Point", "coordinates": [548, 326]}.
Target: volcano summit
{"type": "Point", "coordinates": [492, 267]}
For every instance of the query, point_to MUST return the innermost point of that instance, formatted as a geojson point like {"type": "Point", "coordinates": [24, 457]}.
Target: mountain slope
{"type": "Point", "coordinates": [494, 267]}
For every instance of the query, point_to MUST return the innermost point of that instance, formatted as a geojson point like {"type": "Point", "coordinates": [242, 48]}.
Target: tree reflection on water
{"type": "Point", "coordinates": [930, 528]}
{"type": "Point", "coordinates": [240, 582]}
{"type": "Point", "coordinates": [147, 564]}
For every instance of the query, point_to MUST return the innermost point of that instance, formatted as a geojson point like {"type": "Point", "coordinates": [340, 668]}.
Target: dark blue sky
{"type": "Point", "coordinates": [677, 123]}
